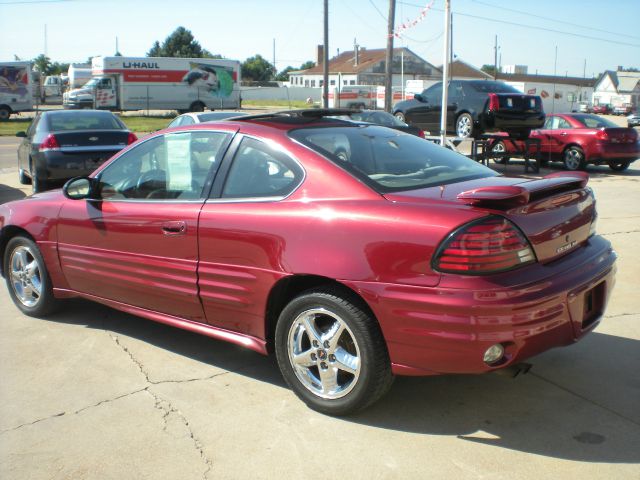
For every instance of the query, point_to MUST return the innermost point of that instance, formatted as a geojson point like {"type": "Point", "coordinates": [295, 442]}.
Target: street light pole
{"type": "Point", "coordinates": [445, 72]}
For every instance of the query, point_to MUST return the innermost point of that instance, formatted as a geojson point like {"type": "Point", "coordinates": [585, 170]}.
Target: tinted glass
{"type": "Point", "coordinates": [493, 87]}
{"type": "Point", "coordinates": [433, 93]}
{"type": "Point", "coordinates": [389, 160]}
{"type": "Point", "coordinates": [259, 171]}
{"type": "Point", "coordinates": [168, 167]}
{"type": "Point", "coordinates": [83, 120]}
{"type": "Point", "coordinates": [595, 121]}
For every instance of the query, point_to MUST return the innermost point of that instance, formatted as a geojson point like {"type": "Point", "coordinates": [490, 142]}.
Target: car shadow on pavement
{"type": "Point", "coordinates": [577, 403]}
{"type": "Point", "coordinates": [8, 194]}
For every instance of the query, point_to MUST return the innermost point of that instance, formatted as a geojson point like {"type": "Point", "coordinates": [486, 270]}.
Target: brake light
{"type": "Point", "coordinates": [131, 138]}
{"type": "Point", "coordinates": [490, 245]}
{"type": "Point", "coordinates": [49, 143]}
{"type": "Point", "coordinates": [494, 102]}
{"type": "Point", "coordinates": [602, 135]}
{"type": "Point", "coordinates": [421, 133]}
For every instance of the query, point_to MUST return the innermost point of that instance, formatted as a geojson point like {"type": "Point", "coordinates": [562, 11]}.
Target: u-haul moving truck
{"type": "Point", "coordinates": [159, 83]}
{"type": "Point", "coordinates": [353, 96]}
{"type": "Point", "coordinates": [16, 88]}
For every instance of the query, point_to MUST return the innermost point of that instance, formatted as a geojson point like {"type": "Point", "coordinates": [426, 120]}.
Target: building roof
{"type": "Point", "coordinates": [520, 77]}
{"type": "Point", "coordinates": [461, 69]}
{"type": "Point", "coordinates": [367, 59]}
{"type": "Point", "coordinates": [625, 82]}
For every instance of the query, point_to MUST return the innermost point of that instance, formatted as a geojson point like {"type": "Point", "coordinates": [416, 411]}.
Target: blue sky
{"type": "Point", "coordinates": [605, 33]}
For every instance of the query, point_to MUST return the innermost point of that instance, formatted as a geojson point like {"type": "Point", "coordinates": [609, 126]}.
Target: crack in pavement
{"type": "Point", "coordinates": [165, 406]}
{"type": "Point", "coordinates": [620, 315]}
{"type": "Point", "coordinates": [586, 399]}
{"type": "Point", "coordinates": [619, 233]}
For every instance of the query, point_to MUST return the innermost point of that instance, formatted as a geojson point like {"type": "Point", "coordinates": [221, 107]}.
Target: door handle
{"type": "Point", "coordinates": [177, 227]}
{"type": "Point", "coordinates": [563, 134]}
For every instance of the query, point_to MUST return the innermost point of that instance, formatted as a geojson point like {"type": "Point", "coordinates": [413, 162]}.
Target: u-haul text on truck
{"type": "Point", "coordinates": [159, 83]}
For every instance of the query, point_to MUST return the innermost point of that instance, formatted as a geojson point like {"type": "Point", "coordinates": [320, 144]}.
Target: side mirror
{"type": "Point", "coordinates": [420, 98]}
{"type": "Point", "coordinates": [21, 134]}
{"type": "Point", "coordinates": [78, 188]}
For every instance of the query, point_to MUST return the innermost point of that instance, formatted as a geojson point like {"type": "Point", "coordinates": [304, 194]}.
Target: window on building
{"type": "Point", "coordinates": [321, 83]}
{"type": "Point", "coordinates": [332, 82]}
{"type": "Point", "coordinates": [352, 82]}
{"type": "Point", "coordinates": [306, 83]}
{"type": "Point", "coordinates": [313, 83]}
{"type": "Point", "coordinates": [344, 82]}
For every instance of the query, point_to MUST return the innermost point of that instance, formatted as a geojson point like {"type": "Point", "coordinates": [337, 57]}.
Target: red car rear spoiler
{"type": "Point", "coordinates": [516, 195]}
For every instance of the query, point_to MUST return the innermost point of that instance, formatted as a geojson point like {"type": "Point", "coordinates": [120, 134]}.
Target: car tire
{"type": "Point", "coordinates": [196, 107]}
{"type": "Point", "coordinates": [499, 147]}
{"type": "Point", "coordinates": [23, 178]}
{"type": "Point", "coordinates": [38, 185]}
{"type": "Point", "coordinates": [619, 166]}
{"type": "Point", "coordinates": [27, 278]}
{"type": "Point", "coordinates": [464, 126]}
{"type": "Point", "coordinates": [400, 116]}
{"type": "Point", "coordinates": [5, 113]}
{"type": "Point", "coordinates": [331, 352]}
{"type": "Point", "coordinates": [573, 158]}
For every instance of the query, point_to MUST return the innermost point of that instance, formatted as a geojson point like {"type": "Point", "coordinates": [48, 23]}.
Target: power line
{"type": "Point", "coordinates": [529, 14]}
{"type": "Point", "coordinates": [533, 27]}
{"type": "Point", "coordinates": [378, 10]}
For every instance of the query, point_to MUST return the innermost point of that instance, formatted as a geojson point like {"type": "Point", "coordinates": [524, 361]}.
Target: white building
{"type": "Point", "coordinates": [617, 89]}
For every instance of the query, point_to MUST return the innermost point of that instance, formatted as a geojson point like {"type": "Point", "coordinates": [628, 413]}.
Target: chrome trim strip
{"type": "Point", "coordinates": [92, 148]}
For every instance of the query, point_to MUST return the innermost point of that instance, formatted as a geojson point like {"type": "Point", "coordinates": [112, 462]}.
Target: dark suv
{"type": "Point", "coordinates": [475, 107]}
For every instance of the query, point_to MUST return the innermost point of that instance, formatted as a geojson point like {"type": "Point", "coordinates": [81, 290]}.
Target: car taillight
{"type": "Point", "coordinates": [602, 136]}
{"type": "Point", "coordinates": [421, 133]}
{"type": "Point", "coordinates": [494, 102]}
{"type": "Point", "coordinates": [49, 143]}
{"type": "Point", "coordinates": [490, 245]}
{"type": "Point", "coordinates": [131, 138]}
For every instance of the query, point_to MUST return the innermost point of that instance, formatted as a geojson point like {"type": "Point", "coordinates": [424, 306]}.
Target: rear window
{"type": "Point", "coordinates": [389, 160]}
{"type": "Point", "coordinates": [594, 121]}
{"type": "Point", "coordinates": [493, 87]}
{"type": "Point", "coordinates": [64, 121]}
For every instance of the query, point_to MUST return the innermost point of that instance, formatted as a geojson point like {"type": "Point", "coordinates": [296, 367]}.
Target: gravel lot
{"type": "Point", "coordinates": [93, 393]}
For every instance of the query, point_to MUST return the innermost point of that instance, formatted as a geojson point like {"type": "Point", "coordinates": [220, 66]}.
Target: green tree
{"type": "Point", "coordinates": [180, 43]}
{"type": "Point", "coordinates": [42, 63]}
{"type": "Point", "coordinates": [489, 69]}
{"type": "Point", "coordinates": [57, 68]}
{"type": "Point", "coordinates": [283, 76]}
{"type": "Point", "coordinates": [307, 65]}
{"type": "Point", "coordinates": [257, 68]}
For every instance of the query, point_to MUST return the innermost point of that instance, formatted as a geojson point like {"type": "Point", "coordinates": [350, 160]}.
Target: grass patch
{"type": "Point", "coordinates": [145, 124]}
{"type": "Point", "coordinates": [10, 127]}
{"type": "Point", "coordinates": [276, 103]}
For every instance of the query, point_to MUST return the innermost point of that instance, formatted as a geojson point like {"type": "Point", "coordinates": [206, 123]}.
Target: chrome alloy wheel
{"type": "Point", "coordinates": [26, 277]}
{"type": "Point", "coordinates": [572, 159]}
{"type": "Point", "coordinates": [464, 126]}
{"type": "Point", "coordinates": [324, 353]}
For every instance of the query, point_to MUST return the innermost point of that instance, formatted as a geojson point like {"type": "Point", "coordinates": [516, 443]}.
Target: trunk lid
{"type": "Point", "coordinates": [618, 135]}
{"type": "Point", "coordinates": [555, 213]}
{"type": "Point", "coordinates": [92, 140]}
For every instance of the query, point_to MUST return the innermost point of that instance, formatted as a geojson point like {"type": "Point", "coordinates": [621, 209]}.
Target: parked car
{"type": "Point", "coordinates": [633, 120]}
{"type": "Point", "coordinates": [604, 109]}
{"type": "Point", "coordinates": [622, 109]}
{"type": "Point", "coordinates": [475, 107]}
{"type": "Point", "coordinates": [385, 119]}
{"type": "Point", "coordinates": [404, 258]}
{"type": "Point", "coordinates": [63, 144]}
{"type": "Point", "coordinates": [579, 139]}
{"type": "Point", "coordinates": [193, 118]}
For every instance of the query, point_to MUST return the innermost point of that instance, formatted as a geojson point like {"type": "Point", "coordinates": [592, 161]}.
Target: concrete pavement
{"type": "Point", "coordinates": [93, 393]}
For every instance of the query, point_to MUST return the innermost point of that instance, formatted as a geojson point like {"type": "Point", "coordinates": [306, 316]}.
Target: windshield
{"type": "Point", "coordinates": [594, 121]}
{"type": "Point", "coordinates": [389, 160]}
{"type": "Point", "coordinates": [92, 83]}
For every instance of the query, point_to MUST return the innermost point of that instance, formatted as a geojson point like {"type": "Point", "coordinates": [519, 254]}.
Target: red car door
{"type": "Point", "coordinates": [137, 241]}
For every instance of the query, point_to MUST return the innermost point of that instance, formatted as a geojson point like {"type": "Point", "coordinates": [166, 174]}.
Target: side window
{"type": "Point", "coordinates": [434, 94]}
{"type": "Point", "coordinates": [176, 122]}
{"type": "Point", "coordinates": [562, 123]}
{"type": "Point", "coordinates": [547, 123]}
{"type": "Point", "coordinates": [168, 167]}
{"type": "Point", "coordinates": [259, 171]}
{"type": "Point", "coordinates": [186, 120]}
{"type": "Point", "coordinates": [34, 125]}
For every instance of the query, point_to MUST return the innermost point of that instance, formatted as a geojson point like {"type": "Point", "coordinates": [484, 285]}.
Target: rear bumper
{"type": "Point", "coordinates": [509, 122]}
{"type": "Point", "coordinates": [447, 329]}
{"type": "Point", "coordinates": [600, 153]}
{"type": "Point", "coordinates": [57, 165]}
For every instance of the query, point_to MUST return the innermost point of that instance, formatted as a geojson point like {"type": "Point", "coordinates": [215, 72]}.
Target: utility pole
{"type": "Point", "coordinates": [388, 67]}
{"type": "Point", "coordinates": [325, 57]}
{"type": "Point", "coordinates": [275, 70]}
{"type": "Point", "coordinates": [445, 73]}
{"type": "Point", "coordinates": [495, 59]}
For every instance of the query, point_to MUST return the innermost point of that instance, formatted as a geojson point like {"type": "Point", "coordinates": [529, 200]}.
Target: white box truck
{"type": "Point", "coordinates": [16, 88]}
{"type": "Point", "coordinates": [79, 74]}
{"type": "Point", "coordinates": [159, 83]}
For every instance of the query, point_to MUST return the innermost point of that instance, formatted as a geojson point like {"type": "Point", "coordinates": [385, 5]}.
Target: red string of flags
{"type": "Point", "coordinates": [410, 24]}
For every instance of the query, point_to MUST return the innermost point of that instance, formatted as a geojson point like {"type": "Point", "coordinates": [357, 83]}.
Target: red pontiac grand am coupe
{"type": "Point", "coordinates": [397, 257]}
